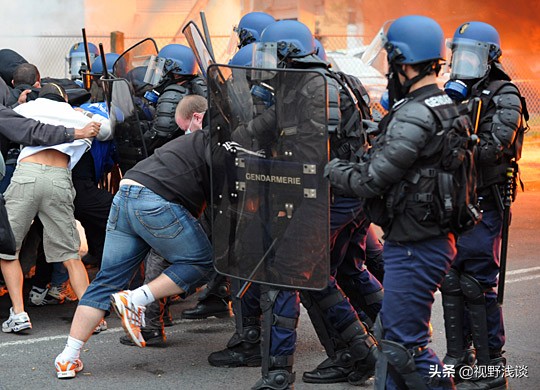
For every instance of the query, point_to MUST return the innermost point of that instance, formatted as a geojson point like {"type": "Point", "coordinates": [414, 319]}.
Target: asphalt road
{"type": "Point", "coordinates": [26, 361]}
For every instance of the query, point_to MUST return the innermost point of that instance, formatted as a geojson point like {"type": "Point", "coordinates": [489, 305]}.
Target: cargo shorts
{"type": "Point", "coordinates": [48, 192]}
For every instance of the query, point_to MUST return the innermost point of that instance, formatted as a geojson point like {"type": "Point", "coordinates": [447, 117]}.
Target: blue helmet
{"type": "Point", "coordinates": [179, 60]}
{"type": "Point", "coordinates": [244, 56]}
{"type": "Point", "coordinates": [97, 65]}
{"type": "Point", "coordinates": [414, 39]}
{"type": "Point", "coordinates": [320, 50]}
{"type": "Point", "coordinates": [251, 26]}
{"type": "Point", "coordinates": [480, 32]}
{"type": "Point", "coordinates": [475, 47]}
{"type": "Point", "coordinates": [294, 39]}
{"type": "Point", "coordinates": [77, 57]}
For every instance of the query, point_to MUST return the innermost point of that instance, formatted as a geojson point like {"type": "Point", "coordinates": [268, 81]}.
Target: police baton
{"type": "Point", "coordinates": [507, 202]}
{"type": "Point", "coordinates": [107, 87]}
{"type": "Point", "coordinates": [87, 81]}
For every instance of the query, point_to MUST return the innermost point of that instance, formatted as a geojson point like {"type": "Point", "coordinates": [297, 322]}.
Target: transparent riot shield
{"type": "Point", "coordinates": [137, 56]}
{"type": "Point", "coordinates": [270, 208]}
{"type": "Point", "coordinates": [125, 124]}
{"type": "Point", "coordinates": [198, 44]}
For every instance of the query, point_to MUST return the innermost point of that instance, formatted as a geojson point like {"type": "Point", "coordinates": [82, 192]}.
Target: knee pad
{"type": "Point", "coordinates": [472, 289]}
{"type": "Point", "coordinates": [451, 283]}
{"type": "Point", "coordinates": [402, 361]}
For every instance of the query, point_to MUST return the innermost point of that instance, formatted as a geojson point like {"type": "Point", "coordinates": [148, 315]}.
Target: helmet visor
{"type": "Point", "coordinates": [375, 55]}
{"type": "Point", "coordinates": [75, 64]}
{"type": "Point", "coordinates": [154, 71]}
{"type": "Point", "coordinates": [264, 56]}
{"type": "Point", "coordinates": [469, 59]}
{"type": "Point", "coordinates": [233, 44]}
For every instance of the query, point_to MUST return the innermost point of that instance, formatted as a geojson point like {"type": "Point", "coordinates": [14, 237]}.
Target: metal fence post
{"type": "Point", "coordinates": [117, 42]}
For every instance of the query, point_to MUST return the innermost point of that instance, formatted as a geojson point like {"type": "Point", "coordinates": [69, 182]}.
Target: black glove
{"type": "Point", "coordinates": [339, 172]}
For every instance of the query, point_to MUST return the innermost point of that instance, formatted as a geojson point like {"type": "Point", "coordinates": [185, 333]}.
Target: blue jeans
{"type": "Point", "coordinates": [139, 220]}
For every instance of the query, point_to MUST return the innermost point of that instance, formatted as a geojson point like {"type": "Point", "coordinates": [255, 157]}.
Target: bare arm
{"type": "Point", "coordinates": [27, 131]}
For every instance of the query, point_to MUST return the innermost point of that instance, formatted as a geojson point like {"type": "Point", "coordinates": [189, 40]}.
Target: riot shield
{"type": "Point", "coordinates": [270, 201]}
{"type": "Point", "coordinates": [198, 44]}
{"type": "Point", "coordinates": [138, 55]}
{"type": "Point", "coordinates": [125, 124]}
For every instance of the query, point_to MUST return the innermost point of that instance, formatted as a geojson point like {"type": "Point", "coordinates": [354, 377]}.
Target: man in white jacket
{"type": "Point", "coordinates": [42, 186]}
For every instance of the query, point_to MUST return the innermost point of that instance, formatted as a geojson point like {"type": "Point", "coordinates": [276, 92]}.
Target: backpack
{"type": "Point", "coordinates": [444, 178]}
{"type": "Point", "coordinates": [455, 195]}
{"type": "Point", "coordinates": [350, 137]}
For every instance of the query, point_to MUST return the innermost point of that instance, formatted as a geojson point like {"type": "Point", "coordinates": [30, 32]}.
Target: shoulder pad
{"type": "Point", "coordinates": [499, 86]}
{"type": "Point", "coordinates": [198, 86]}
{"type": "Point", "coordinates": [416, 113]}
{"type": "Point", "coordinates": [507, 100]}
{"type": "Point", "coordinates": [176, 88]}
{"type": "Point", "coordinates": [510, 88]}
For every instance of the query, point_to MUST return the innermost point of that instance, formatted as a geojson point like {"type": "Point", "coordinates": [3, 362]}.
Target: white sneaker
{"type": "Point", "coordinates": [16, 322]}
{"type": "Point", "coordinates": [101, 327]}
{"type": "Point", "coordinates": [63, 291]}
{"type": "Point", "coordinates": [132, 316]}
{"type": "Point", "coordinates": [41, 297]}
{"type": "Point", "coordinates": [67, 368]}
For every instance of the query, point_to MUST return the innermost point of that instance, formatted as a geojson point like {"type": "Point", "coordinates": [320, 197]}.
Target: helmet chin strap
{"type": "Point", "coordinates": [396, 89]}
{"type": "Point", "coordinates": [399, 90]}
{"type": "Point", "coordinates": [425, 71]}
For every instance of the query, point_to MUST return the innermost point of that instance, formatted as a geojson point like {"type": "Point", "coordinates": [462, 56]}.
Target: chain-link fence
{"type": "Point", "coordinates": [49, 54]}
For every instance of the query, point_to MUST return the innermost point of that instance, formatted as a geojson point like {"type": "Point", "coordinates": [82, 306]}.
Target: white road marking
{"type": "Point", "coordinates": [522, 271]}
{"type": "Point", "coordinates": [48, 338]}
{"type": "Point", "coordinates": [119, 329]}
{"type": "Point", "coordinates": [109, 330]}
{"type": "Point", "coordinates": [531, 277]}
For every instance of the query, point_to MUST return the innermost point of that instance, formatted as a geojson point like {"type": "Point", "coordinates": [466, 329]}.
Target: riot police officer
{"type": "Point", "coordinates": [349, 231]}
{"type": "Point", "coordinates": [179, 78]}
{"type": "Point", "coordinates": [76, 59]}
{"type": "Point", "coordinates": [331, 311]}
{"type": "Point", "coordinates": [393, 176]}
{"type": "Point", "coordinates": [477, 73]}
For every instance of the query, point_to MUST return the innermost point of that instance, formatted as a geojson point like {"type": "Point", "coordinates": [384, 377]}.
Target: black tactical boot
{"type": "Point", "coordinates": [208, 307]}
{"type": "Point", "coordinates": [363, 349]}
{"type": "Point", "coordinates": [468, 358]}
{"type": "Point", "coordinates": [496, 377]}
{"type": "Point", "coordinates": [331, 370]}
{"type": "Point", "coordinates": [363, 370]}
{"type": "Point", "coordinates": [242, 350]}
{"type": "Point", "coordinates": [276, 379]}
